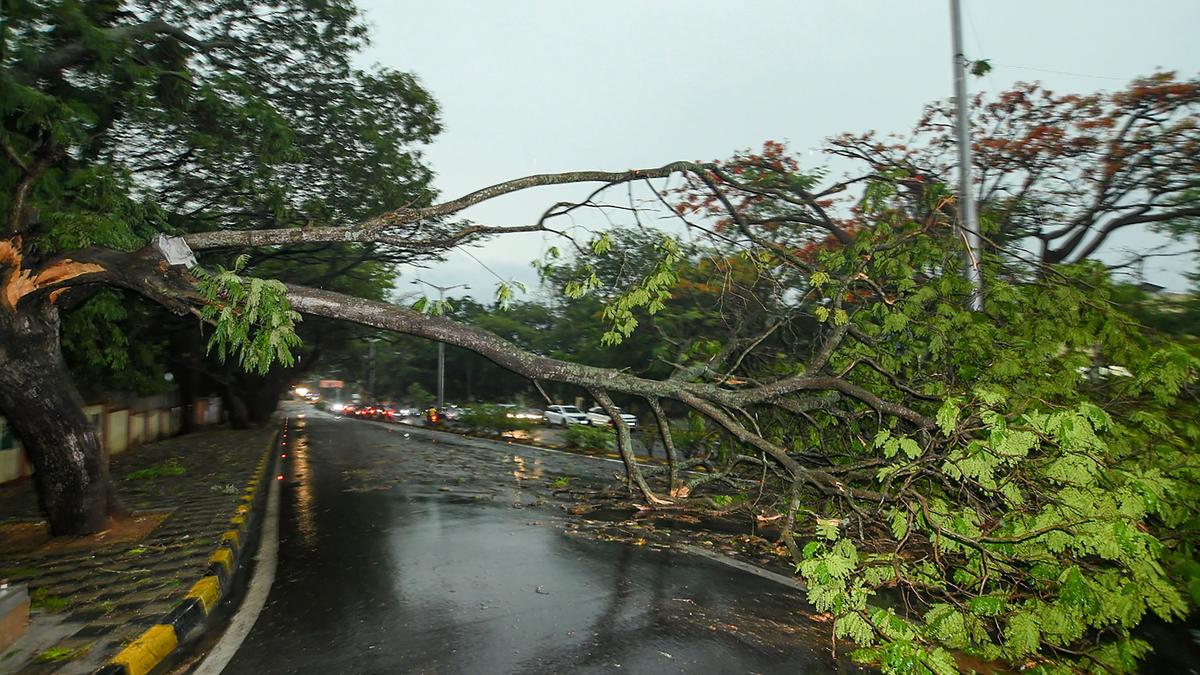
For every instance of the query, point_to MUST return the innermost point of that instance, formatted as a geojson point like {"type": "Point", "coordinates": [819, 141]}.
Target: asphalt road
{"type": "Point", "coordinates": [399, 553]}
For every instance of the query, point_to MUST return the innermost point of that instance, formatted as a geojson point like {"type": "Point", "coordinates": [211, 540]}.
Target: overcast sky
{"type": "Point", "coordinates": [557, 85]}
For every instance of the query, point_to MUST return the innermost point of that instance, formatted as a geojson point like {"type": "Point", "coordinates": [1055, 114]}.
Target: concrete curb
{"type": "Point", "coordinates": [187, 619]}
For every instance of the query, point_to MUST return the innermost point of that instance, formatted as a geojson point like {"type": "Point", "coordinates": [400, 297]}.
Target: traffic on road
{"type": "Point", "coordinates": [560, 415]}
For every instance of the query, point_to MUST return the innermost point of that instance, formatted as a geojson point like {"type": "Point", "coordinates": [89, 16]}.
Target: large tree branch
{"type": "Point", "coordinates": [382, 228]}
{"type": "Point", "coordinates": [1140, 217]}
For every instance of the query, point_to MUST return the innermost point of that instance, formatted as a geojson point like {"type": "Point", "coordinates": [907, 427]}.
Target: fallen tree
{"type": "Point", "coordinates": [1017, 500]}
{"type": "Point", "coordinates": [1023, 507]}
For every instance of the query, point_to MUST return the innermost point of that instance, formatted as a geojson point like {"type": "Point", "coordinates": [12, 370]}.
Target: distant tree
{"type": "Point", "coordinates": [1062, 171]}
{"type": "Point", "coordinates": [122, 120]}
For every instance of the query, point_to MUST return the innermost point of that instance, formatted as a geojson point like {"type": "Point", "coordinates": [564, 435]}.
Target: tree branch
{"type": "Point", "coordinates": [381, 228]}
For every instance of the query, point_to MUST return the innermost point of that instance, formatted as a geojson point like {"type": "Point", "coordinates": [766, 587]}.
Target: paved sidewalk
{"type": "Point", "coordinates": [89, 604]}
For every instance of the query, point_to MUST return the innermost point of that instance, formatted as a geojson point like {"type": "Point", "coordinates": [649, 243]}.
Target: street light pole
{"type": "Point", "coordinates": [371, 373]}
{"type": "Point", "coordinates": [441, 366]}
{"type": "Point", "coordinates": [968, 217]}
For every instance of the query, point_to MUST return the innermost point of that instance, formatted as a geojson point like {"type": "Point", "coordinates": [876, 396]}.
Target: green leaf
{"type": "Point", "coordinates": [987, 605]}
{"type": "Point", "coordinates": [1022, 636]}
{"type": "Point", "coordinates": [947, 416]}
{"type": "Point", "coordinates": [899, 524]}
{"type": "Point", "coordinates": [602, 244]}
{"type": "Point", "coordinates": [854, 627]}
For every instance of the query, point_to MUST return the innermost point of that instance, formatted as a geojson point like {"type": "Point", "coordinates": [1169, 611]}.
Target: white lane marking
{"type": "Point", "coordinates": [256, 595]}
{"type": "Point", "coordinates": [745, 567]}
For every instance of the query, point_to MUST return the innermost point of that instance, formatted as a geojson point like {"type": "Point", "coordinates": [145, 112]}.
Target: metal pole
{"type": "Point", "coordinates": [441, 374]}
{"type": "Point", "coordinates": [968, 219]}
{"type": "Point", "coordinates": [441, 369]}
{"type": "Point", "coordinates": [371, 372]}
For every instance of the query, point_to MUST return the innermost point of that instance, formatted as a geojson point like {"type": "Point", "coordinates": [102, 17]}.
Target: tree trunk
{"type": "Point", "coordinates": [45, 410]}
{"type": "Point", "coordinates": [235, 407]}
{"type": "Point", "coordinates": [262, 393]}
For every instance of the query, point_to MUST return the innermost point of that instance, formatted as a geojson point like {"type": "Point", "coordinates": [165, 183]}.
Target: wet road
{"type": "Point", "coordinates": [402, 554]}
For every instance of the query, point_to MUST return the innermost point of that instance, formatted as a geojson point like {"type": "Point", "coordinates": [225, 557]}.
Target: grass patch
{"type": "Point", "coordinates": [171, 467]}
{"type": "Point", "coordinates": [41, 599]}
{"type": "Point", "coordinates": [58, 654]}
{"type": "Point", "coordinates": [561, 482]}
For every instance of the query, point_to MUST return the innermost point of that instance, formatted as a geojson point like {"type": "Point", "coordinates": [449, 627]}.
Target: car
{"type": "Point", "coordinates": [598, 418]}
{"type": "Point", "coordinates": [386, 413]}
{"type": "Point", "coordinates": [562, 415]}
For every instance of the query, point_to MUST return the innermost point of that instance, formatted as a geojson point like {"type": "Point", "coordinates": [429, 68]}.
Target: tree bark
{"type": "Point", "coordinates": [235, 407]}
{"type": "Point", "coordinates": [40, 401]}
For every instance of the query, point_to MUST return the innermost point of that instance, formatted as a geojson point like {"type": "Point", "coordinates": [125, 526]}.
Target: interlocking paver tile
{"type": "Point", "coordinates": [115, 592]}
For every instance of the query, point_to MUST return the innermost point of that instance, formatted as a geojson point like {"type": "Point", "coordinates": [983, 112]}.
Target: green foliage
{"type": "Point", "coordinates": [492, 419]}
{"type": "Point", "coordinates": [981, 67]}
{"type": "Point", "coordinates": [252, 318]}
{"type": "Point", "coordinates": [131, 130]}
{"type": "Point", "coordinates": [588, 437]}
{"type": "Point", "coordinates": [1024, 476]}
{"type": "Point", "coordinates": [1045, 494]}
{"type": "Point", "coordinates": [650, 292]}
{"type": "Point", "coordinates": [109, 339]}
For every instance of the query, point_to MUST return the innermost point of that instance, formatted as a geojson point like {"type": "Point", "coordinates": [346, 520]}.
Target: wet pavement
{"type": "Point", "coordinates": [401, 551]}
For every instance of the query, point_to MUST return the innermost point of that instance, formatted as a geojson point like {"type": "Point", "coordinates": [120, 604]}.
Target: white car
{"type": "Point", "coordinates": [562, 415]}
{"type": "Point", "coordinates": [598, 418]}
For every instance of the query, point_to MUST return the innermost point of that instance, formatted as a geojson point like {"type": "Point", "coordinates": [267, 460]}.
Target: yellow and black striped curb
{"type": "Point", "coordinates": [187, 618]}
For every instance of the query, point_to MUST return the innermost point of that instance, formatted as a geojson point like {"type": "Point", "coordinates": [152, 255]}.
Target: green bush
{"type": "Point", "coordinates": [491, 419]}
{"type": "Point", "coordinates": [591, 438]}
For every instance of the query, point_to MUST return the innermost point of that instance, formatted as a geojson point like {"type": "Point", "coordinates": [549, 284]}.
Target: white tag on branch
{"type": "Point", "coordinates": [175, 250]}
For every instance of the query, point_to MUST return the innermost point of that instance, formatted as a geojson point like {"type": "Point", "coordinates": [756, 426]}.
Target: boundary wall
{"type": "Point", "coordinates": [119, 428]}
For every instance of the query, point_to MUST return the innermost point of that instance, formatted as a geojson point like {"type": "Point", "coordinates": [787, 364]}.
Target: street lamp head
{"type": "Point", "coordinates": [439, 289]}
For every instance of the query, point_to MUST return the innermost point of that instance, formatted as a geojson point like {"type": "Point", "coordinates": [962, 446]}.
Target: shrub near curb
{"type": "Point", "coordinates": [491, 420]}
{"type": "Point", "coordinates": [591, 438]}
